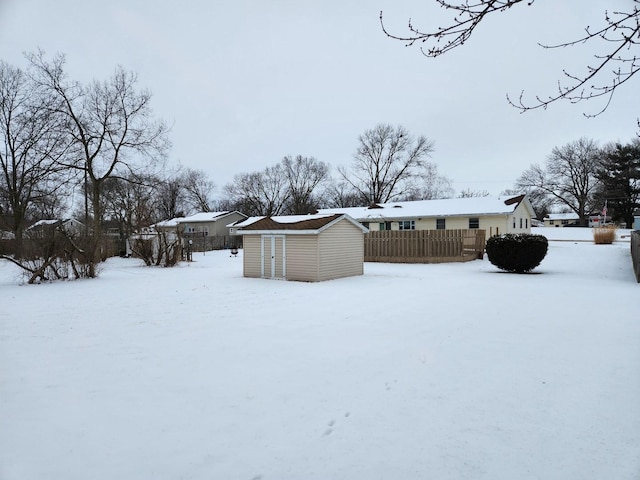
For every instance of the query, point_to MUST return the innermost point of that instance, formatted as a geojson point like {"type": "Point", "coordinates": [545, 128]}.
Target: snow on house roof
{"type": "Point", "coordinates": [195, 218]}
{"type": "Point", "coordinates": [45, 222]}
{"type": "Point", "coordinates": [54, 221]}
{"type": "Point", "coordinates": [203, 217]}
{"type": "Point", "coordinates": [562, 216]}
{"type": "Point", "coordinates": [169, 223]}
{"type": "Point", "coordinates": [433, 208]}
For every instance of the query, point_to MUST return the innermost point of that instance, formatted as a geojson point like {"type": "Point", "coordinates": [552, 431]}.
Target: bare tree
{"type": "Point", "coordinates": [470, 193]}
{"type": "Point", "coordinates": [31, 145]}
{"type": "Point", "coordinates": [387, 163]}
{"type": "Point", "coordinates": [259, 193]}
{"type": "Point", "coordinates": [198, 190]}
{"type": "Point", "coordinates": [129, 205]}
{"type": "Point", "coordinates": [618, 33]}
{"type": "Point", "coordinates": [112, 130]}
{"type": "Point", "coordinates": [304, 176]}
{"type": "Point", "coordinates": [341, 194]}
{"type": "Point", "coordinates": [569, 179]}
{"type": "Point", "coordinates": [429, 185]}
{"type": "Point", "coordinates": [169, 199]}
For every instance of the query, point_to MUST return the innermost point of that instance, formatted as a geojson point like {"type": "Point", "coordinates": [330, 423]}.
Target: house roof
{"type": "Point", "coordinates": [206, 217]}
{"type": "Point", "coordinates": [201, 217]}
{"type": "Point", "coordinates": [292, 224]}
{"type": "Point", "coordinates": [480, 206]}
{"type": "Point", "coordinates": [562, 216]}
{"type": "Point", "coordinates": [52, 221]}
{"type": "Point", "coordinates": [168, 223]}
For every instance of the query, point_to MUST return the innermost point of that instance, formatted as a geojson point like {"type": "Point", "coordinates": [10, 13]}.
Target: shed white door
{"type": "Point", "coordinates": [272, 252]}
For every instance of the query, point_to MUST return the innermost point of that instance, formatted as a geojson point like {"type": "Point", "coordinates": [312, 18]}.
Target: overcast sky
{"type": "Point", "coordinates": [245, 82]}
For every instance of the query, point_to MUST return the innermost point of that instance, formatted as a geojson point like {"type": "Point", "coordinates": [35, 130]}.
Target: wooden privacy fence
{"type": "Point", "coordinates": [635, 253]}
{"type": "Point", "coordinates": [423, 246]}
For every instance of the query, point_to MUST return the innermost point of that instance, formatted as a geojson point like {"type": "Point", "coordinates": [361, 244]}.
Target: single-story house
{"type": "Point", "coordinates": [495, 215]}
{"type": "Point", "coordinates": [206, 230]}
{"type": "Point", "coordinates": [308, 248]}
{"type": "Point", "coordinates": [561, 219]}
{"type": "Point", "coordinates": [573, 220]}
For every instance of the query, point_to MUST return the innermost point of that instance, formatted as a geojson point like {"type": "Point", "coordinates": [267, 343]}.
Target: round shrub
{"type": "Point", "coordinates": [517, 252]}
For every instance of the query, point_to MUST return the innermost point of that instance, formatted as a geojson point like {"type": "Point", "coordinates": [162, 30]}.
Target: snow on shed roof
{"type": "Point", "coordinates": [292, 223]}
{"type": "Point", "coordinates": [433, 208]}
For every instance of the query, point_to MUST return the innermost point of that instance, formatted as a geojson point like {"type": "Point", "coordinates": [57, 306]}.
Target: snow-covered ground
{"type": "Point", "coordinates": [448, 371]}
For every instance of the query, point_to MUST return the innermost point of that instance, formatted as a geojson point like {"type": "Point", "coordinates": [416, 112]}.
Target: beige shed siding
{"type": "Point", "coordinates": [302, 258]}
{"type": "Point", "coordinates": [251, 256]}
{"type": "Point", "coordinates": [336, 252]}
{"type": "Point", "coordinates": [280, 264]}
{"type": "Point", "coordinates": [341, 251]}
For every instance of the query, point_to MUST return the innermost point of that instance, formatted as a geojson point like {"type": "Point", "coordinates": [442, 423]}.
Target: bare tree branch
{"type": "Point", "coordinates": [619, 36]}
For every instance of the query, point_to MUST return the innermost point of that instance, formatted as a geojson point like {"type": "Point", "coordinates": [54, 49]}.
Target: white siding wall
{"type": "Point", "coordinates": [519, 221]}
{"type": "Point", "coordinates": [492, 224]}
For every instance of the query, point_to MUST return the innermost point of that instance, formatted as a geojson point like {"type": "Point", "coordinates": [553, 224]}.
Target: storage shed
{"type": "Point", "coordinates": [308, 248]}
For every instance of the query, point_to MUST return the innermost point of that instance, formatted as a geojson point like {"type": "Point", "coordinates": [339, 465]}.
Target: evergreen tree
{"type": "Point", "coordinates": [620, 176]}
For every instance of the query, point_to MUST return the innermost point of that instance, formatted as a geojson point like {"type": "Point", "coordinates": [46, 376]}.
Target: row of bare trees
{"type": "Point", "coordinates": [581, 177]}
{"type": "Point", "coordinates": [389, 164]}
{"type": "Point", "coordinates": [97, 150]}
{"type": "Point", "coordinates": [61, 137]}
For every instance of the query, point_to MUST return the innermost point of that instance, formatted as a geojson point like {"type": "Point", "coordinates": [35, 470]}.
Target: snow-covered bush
{"type": "Point", "coordinates": [519, 253]}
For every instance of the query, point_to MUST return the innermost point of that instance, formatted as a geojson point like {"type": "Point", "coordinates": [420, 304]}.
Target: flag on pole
{"type": "Point", "coordinates": [604, 210]}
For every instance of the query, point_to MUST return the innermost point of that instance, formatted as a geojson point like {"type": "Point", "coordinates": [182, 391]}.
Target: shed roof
{"type": "Point", "coordinates": [292, 224]}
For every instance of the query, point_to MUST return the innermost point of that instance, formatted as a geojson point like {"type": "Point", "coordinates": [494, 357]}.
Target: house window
{"type": "Point", "coordinates": [385, 226]}
{"type": "Point", "coordinates": [474, 222]}
{"type": "Point", "coordinates": [514, 222]}
{"type": "Point", "coordinates": [520, 222]}
{"type": "Point", "coordinates": [526, 223]}
{"type": "Point", "coordinates": [407, 225]}
{"type": "Point", "coordinates": [440, 224]}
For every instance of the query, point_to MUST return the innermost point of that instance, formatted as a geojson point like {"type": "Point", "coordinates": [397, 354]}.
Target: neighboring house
{"type": "Point", "coordinates": [68, 225]}
{"type": "Point", "coordinates": [495, 215]}
{"type": "Point", "coordinates": [307, 248]}
{"type": "Point", "coordinates": [561, 219]}
{"type": "Point", "coordinates": [573, 220]}
{"type": "Point", "coordinates": [205, 231]}
{"type": "Point", "coordinates": [537, 223]}
{"type": "Point", "coordinates": [636, 219]}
